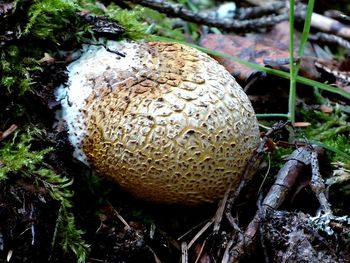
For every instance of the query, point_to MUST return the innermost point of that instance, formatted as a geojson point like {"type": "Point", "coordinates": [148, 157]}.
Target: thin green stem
{"type": "Point", "coordinates": [292, 88]}
{"type": "Point", "coordinates": [264, 115]}
{"type": "Point", "coordinates": [305, 34]}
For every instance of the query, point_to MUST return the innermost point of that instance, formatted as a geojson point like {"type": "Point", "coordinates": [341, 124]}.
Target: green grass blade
{"type": "Point", "coordinates": [271, 115]}
{"type": "Point", "coordinates": [292, 67]}
{"type": "Point", "coordinates": [305, 33]}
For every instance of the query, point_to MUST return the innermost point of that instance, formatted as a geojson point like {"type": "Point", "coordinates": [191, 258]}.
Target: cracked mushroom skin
{"type": "Point", "coordinates": [163, 120]}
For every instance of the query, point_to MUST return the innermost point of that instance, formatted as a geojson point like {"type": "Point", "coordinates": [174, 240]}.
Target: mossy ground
{"type": "Point", "coordinates": [47, 193]}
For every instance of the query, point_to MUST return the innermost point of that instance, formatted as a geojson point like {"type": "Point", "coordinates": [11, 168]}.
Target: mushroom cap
{"type": "Point", "coordinates": [165, 121]}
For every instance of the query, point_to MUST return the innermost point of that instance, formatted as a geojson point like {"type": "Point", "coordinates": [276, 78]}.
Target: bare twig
{"type": "Point", "coordinates": [116, 213]}
{"type": "Point", "coordinates": [323, 23]}
{"type": "Point", "coordinates": [203, 229]}
{"type": "Point", "coordinates": [156, 258]}
{"type": "Point", "coordinates": [170, 240]}
{"type": "Point", "coordinates": [233, 196]}
{"type": "Point", "coordinates": [184, 254]}
{"type": "Point", "coordinates": [220, 210]}
{"type": "Point", "coordinates": [9, 131]}
{"type": "Point", "coordinates": [318, 21]}
{"type": "Point", "coordinates": [337, 15]}
{"type": "Point", "coordinates": [32, 223]}
{"type": "Point", "coordinates": [200, 251]}
{"type": "Point", "coordinates": [330, 39]}
{"type": "Point", "coordinates": [318, 187]}
{"type": "Point", "coordinates": [286, 178]}
{"type": "Point", "coordinates": [256, 11]}
{"type": "Point", "coordinates": [192, 229]}
{"type": "Point", "coordinates": [330, 25]}
{"type": "Point", "coordinates": [230, 196]}
{"type": "Point", "coordinates": [177, 10]}
{"type": "Point", "coordinates": [342, 76]}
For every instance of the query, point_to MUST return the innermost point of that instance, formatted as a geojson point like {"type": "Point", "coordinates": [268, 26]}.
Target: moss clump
{"type": "Point", "coordinates": [42, 25]}
{"type": "Point", "coordinates": [48, 17]}
{"type": "Point", "coordinates": [138, 22]}
{"type": "Point", "coordinates": [330, 130]}
{"type": "Point", "coordinates": [16, 157]}
{"type": "Point", "coordinates": [16, 70]}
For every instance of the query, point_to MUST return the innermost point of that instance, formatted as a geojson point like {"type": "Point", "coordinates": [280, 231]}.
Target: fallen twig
{"type": "Point", "coordinates": [203, 229]}
{"type": "Point", "coordinates": [116, 213]}
{"type": "Point", "coordinates": [178, 10]}
{"type": "Point", "coordinates": [278, 193]}
{"type": "Point", "coordinates": [286, 178]}
{"type": "Point", "coordinates": [9, 131]}
{"type": "Point", "coordinates": [184, 252]}
{"type": "Point", "coordinates": [234, 194]}
{"type": "Point", "coordinates": [330, 39]}
{"type": "Point", "coordinates": [256, 11]}
{"type": "Point", "coordinates": [330, 25]}
{"type": "Point", "coordinates": [318, 187]}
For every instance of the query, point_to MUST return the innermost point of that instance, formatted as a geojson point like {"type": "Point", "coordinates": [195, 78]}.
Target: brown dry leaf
{"type": "Point", "coordinates": [258, 50]}
{"type": "Point", "coordinates": [280, 33]}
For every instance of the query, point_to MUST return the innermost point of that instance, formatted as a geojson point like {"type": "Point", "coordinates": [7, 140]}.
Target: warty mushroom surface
{"type": "Point", "coordinates": [163, 120]}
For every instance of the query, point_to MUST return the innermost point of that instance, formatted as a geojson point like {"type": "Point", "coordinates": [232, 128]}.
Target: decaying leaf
{"type": "Point", "coordinates": [256, 49]}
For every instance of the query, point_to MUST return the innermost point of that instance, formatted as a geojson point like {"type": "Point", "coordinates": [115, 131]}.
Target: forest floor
{"type": "Point", "coordinates": [53, 208]}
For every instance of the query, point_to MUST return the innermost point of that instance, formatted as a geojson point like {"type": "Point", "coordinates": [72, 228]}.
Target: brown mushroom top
{"type": "Point", "coordinates": [166, 121]}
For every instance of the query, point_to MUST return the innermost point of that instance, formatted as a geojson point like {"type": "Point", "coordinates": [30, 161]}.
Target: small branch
{"type": "Point", "coordinates": [177, 10]}
{"type": "Point", "coordinates": [330, 39]}
{"type": "Point", "coordinates": [330, 25]}
{"type": "Point", "coordinates": [9, 131]}
{"type": "Point", "coordinates": [256, 11]}
{"type": "Point", "coordinates": [233, 196]}
{"type": "Point", "coordinates": [323, 23]}
{"type": "Point", "coordinates": [116, 213]}
{"type": "Point", "coordinates": [285, 180]}
{"type": "Point", "coordinates": [203, 229]}
{"type": "Point", "coordinates": [318, 187]}
{"type": "Point", "coordinates": [184, 254]}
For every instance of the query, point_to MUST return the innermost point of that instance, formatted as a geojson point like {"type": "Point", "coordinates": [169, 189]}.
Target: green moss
{"type": "Point", "coordinates": [138, 22]}
{"type": "Point", "coordinates": [17, 158]}
{"type": "Point", "coordinates": [47, 17]}
{"type": "Point", "coordinates": [16, 70]}
{"type": "Point", "coordinates": [16, 155]}
{"type": "Point", "coordinates": [330, 130]}
{"type": "Point", "coordinates": [160, 24]}
{"type": "Point", "coordinates": [41, 21]}
{"type": "Point", "coordinates": [130, 20]}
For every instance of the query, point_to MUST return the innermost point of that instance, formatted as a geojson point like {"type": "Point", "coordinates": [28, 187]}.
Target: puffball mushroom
{"type": "Point", "coordinates": [163, 120]}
